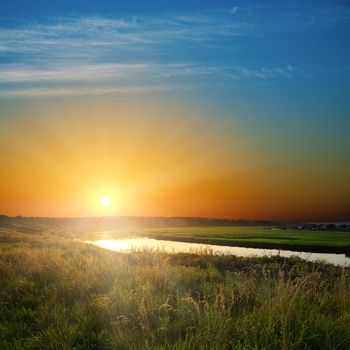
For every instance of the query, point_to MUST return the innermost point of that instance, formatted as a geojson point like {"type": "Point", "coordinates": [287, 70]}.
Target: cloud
{"type": "Point", "coordinates": [116, 72]}
{"type": "Point", "coordinates": [93, 38]}
{"type": "Point", "coordinates": [82, 91]}
{"type": "Point", "coordinates": [97, 79]}
{"type": "Point", "coordinates": [83, 73]}
{"type": "Point", "coordinates": [95, 55]}
{"type": "Point", "coordinates": [267, 73]}
{"type": "Point", "coordinates": [234, 10]}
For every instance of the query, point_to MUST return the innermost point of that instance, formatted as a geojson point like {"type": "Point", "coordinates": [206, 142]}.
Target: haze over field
{"type": "Point", "coordinates": [232, 109]}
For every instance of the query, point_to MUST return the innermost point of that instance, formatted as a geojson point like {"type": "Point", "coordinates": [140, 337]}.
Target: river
{"type": "Point", "coordinates": [139, 243]}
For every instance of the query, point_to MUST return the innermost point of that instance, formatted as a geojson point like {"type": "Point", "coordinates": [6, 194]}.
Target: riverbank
{"type": "Point", "coordinates": [258, 237]}
{"type": "Point", "coordinates": [261, 245]}
{"type": "Point", "coordinates": [159, 245]}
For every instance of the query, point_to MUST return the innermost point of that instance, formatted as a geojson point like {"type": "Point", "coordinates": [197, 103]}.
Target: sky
{"type": "Point", "coordinates": [235, 109]}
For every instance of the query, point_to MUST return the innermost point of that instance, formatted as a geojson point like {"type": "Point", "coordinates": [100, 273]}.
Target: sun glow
{"type": "Point", "coordinates": [105, 201]}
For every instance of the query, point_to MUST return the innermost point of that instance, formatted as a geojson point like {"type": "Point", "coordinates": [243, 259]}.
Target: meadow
{"type": "Point", "coordinates": [258, 236]}
{"type": "Point", "coordinates": [56, 293]}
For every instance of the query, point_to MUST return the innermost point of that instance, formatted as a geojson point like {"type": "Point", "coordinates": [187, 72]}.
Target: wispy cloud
{"type": "Point", "coordinates": [234, 10]}
{"type": "Point", "coordinates": [93, 55]}
{"type": "Point", "coordinates": [126, 72]}
{"type": "Point", "coordinates": [81, 73]}
{"type": "Point", "coordinates": [95, 37]}
{"type": "Point", "coordinates": [114, 52]}
{"type": "Point", "coordinates": [81, 91]}
{"type": "Point", "coordinates": [99, 78]}
{"type": "Point", "coordinates": [267, 73]}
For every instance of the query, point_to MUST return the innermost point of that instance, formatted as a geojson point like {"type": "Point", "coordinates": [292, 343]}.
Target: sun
{"type": "Point", "coordinates": [105, 201]}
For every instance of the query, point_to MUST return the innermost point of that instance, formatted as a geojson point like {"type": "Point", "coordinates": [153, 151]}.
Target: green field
{"type": "Point", "coordinates": [254, 236]}
{"type": "Point", "coordinates": [56, 293]}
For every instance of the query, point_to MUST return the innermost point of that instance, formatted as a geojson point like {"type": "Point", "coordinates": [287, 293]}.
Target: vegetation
{"type": "Point", "coordinates": [258, 236]}
{"type": "Point", "coordinates": [59, 294]}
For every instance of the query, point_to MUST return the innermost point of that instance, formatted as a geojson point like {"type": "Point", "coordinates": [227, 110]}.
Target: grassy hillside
{"type": "Point", "coordinates": [60, 294]}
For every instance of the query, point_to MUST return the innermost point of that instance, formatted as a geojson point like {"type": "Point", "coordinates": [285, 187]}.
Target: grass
{"type": "Point", "coordinates": [255, 236]}
{"type": "Point", "coordinates": [59, 294]}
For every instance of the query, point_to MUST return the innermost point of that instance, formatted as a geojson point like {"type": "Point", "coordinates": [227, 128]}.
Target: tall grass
{"type": "Point", "coordinates": [59, 294]}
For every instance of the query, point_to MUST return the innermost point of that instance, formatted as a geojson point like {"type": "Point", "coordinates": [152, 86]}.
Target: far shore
{"type": "Point", "coordinates": [261, 245]}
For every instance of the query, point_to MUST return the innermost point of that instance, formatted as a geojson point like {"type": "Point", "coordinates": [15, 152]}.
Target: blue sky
{"type": "Point", "coordinates": [109, 47]}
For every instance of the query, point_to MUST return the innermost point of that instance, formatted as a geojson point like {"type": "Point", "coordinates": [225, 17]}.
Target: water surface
{"type": "Point", "coordinates": [139, 243]}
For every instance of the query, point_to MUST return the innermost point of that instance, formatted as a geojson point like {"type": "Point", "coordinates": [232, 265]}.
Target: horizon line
{"type": "Point", "coordinates": [173, 217]}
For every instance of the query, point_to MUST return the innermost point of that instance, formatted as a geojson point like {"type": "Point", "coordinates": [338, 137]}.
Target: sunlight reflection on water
{"type": "Point", "coordinates": [124, 245]}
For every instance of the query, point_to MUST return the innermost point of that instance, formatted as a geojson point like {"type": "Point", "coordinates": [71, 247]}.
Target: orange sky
{"type": "Point", "coordinates": [173, 159]}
